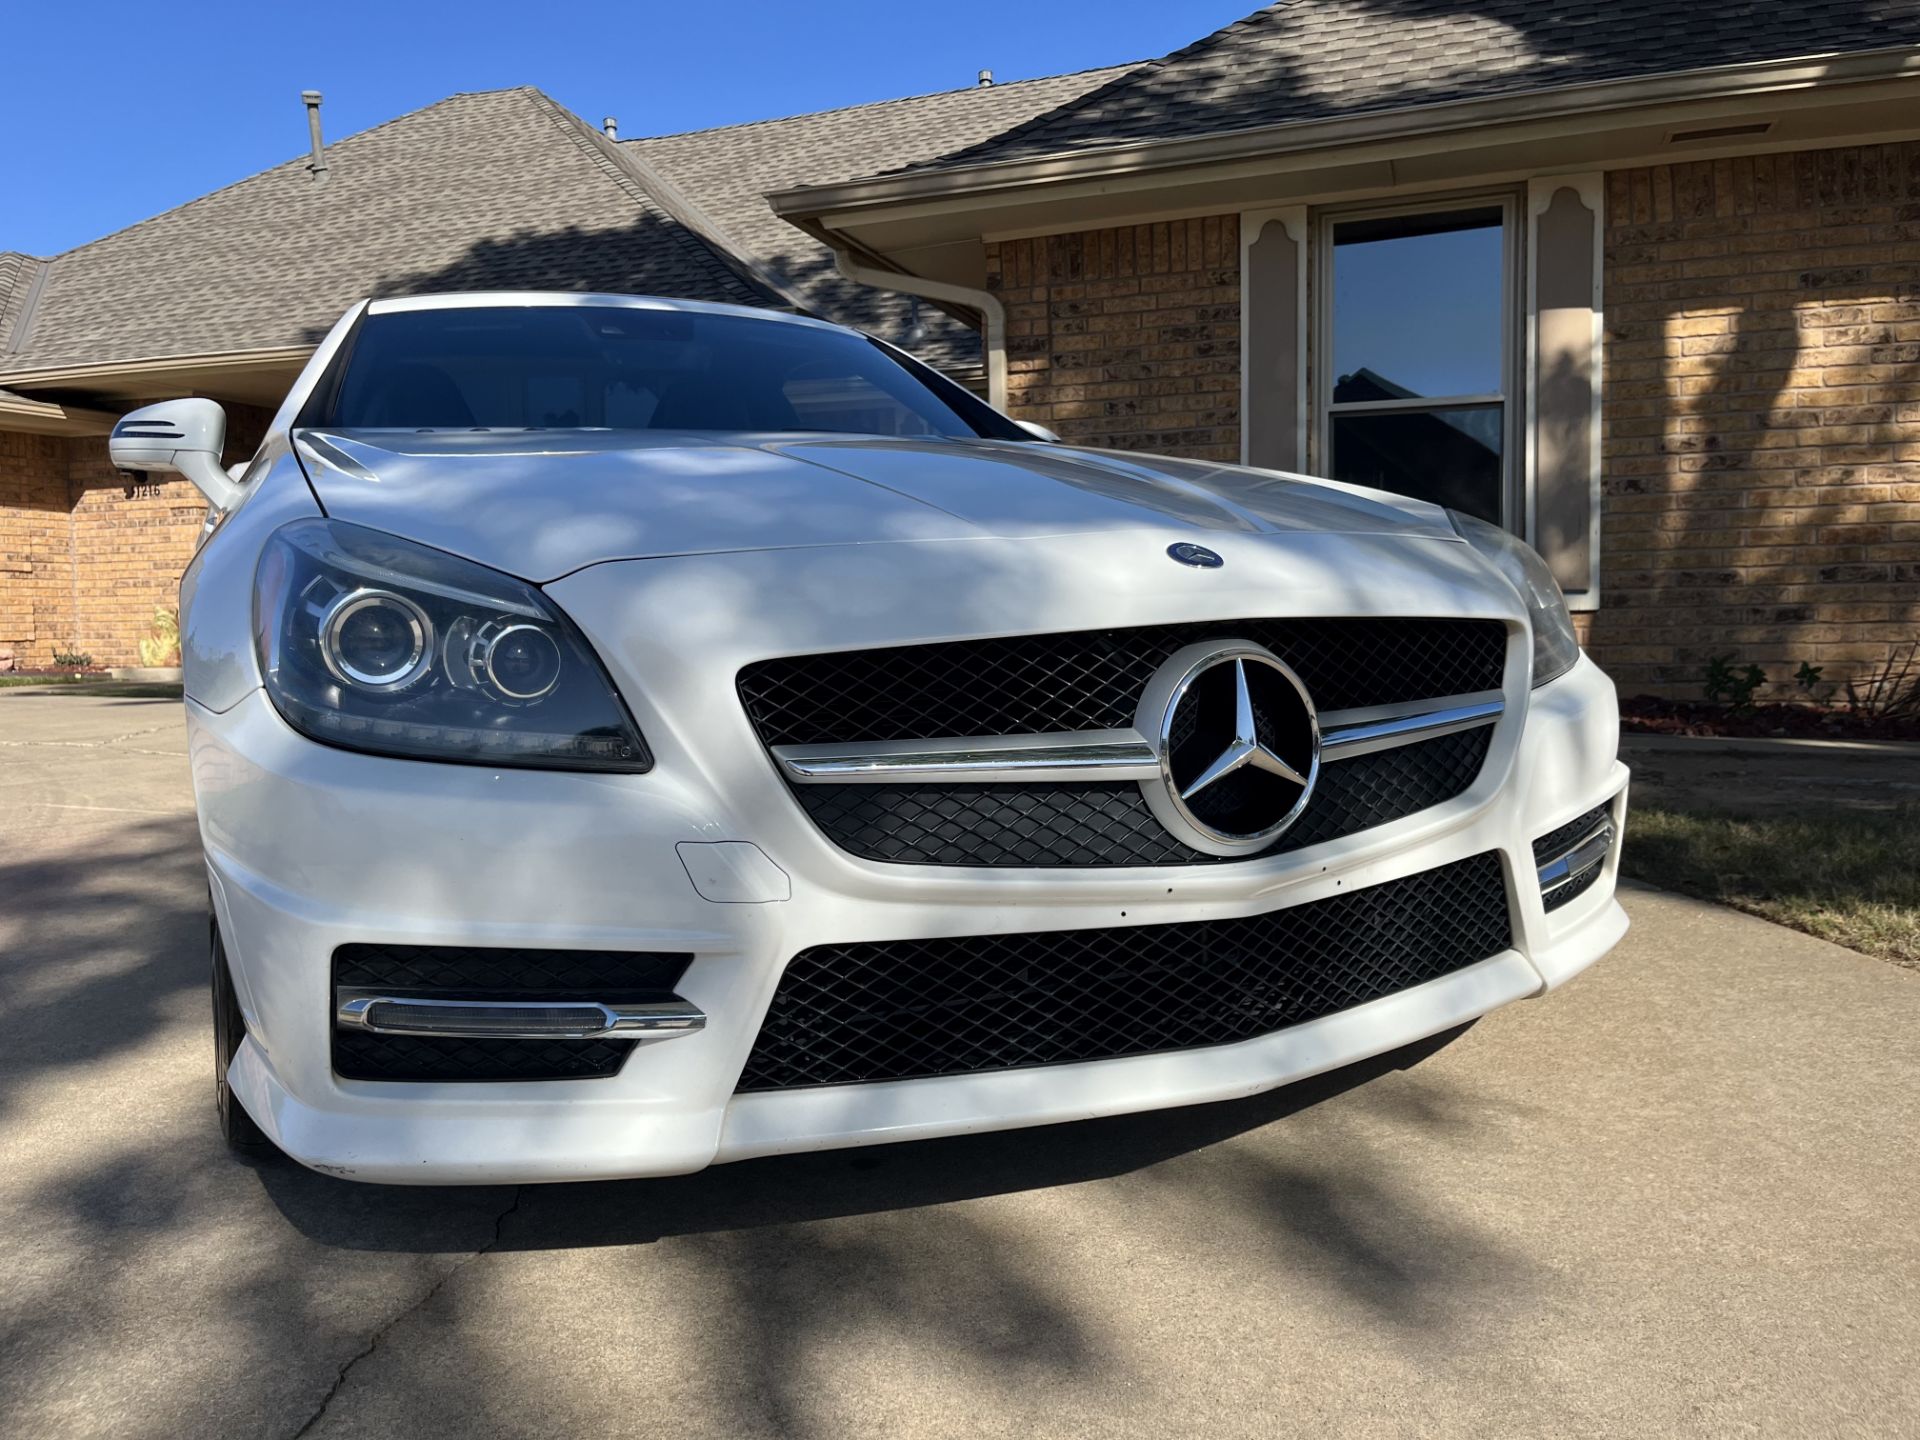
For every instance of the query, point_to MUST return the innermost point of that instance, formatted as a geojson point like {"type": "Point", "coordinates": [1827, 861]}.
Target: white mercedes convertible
{"type": "Point", "coordinates": [631, 734]}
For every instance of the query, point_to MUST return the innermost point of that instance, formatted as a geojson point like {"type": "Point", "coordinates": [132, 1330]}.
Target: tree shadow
{"type": "Point", "coordinates": [1296, 62]}
{"type": "Point", "coordinates": [103, 947]}
{"type": "Point", "coordinates": [1750, 410]}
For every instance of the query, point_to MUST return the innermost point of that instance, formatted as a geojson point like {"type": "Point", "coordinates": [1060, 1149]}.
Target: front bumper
{"type": "Point", "coordinates": [311, 848]}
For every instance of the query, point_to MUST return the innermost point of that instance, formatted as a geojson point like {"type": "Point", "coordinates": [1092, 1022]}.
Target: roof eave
{"type": "Point", "coordinates": [25, 415]}
{"type": "Point", "coordinates": [80, 376]}
{"type": "Point", "coordinates": [1145, 157]}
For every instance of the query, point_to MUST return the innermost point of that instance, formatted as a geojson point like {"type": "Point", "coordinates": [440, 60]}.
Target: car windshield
{"type": "Point", "coordinates": [626, 368]}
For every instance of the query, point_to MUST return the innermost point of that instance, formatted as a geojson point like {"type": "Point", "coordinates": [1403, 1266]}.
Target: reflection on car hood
{"type": "Point", "coordinates": [541, 504]}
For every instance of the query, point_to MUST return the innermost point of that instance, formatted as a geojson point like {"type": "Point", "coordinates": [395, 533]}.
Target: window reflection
{"type": "Point", "coordinates": [1451, 457]}
{"type": "Point", "coordinates": [1416, 301]}
{"type": "Point", "coordinates": [1417, 366]}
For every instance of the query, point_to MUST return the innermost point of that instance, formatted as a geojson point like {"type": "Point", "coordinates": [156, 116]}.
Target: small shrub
{"type": "Point", "coordinates": [1807, 677]}
{"type": "Point", "coordinates": [72, 660]}
{"type": "Point", "coordinates": [161, 645]}
{"type": "Point", "coordinates": [1724, 685]}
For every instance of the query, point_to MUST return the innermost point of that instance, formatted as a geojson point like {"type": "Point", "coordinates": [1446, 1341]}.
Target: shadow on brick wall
{"type": "Point", "coordinates": [1762, 401]}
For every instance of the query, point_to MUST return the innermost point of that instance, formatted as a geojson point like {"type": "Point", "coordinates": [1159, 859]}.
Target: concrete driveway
{"type": "Point", "coordinates": [1679, 1197]}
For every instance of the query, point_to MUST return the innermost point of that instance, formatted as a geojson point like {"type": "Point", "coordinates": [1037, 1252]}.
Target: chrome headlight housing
{"type": "Point", "coordinates": [1555, 646]}
{"type": "Point", "coordinates": [374, 643]}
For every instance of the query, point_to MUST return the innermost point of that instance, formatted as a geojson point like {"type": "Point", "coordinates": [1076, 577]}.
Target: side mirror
{"type": "Point", "coordinates": [1038, 432]}
{"type": "Point", "coordinates": [182, 437]}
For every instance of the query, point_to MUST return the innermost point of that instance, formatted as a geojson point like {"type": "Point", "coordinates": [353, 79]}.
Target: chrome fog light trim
{"type": "Point", "coordinates": [515, 1019]}
{"type": "Point", "coordinates": [1574, 862]}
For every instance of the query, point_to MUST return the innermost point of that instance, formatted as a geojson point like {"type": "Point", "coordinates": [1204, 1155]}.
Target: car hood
{"type": "Point", "coordinates": [544, 504]}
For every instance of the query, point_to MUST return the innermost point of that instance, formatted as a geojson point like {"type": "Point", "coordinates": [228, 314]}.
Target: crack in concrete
{"type": "Point", "coordinates": [94, 744]}
{"type": "Point", "coordinates": [340, 1379]}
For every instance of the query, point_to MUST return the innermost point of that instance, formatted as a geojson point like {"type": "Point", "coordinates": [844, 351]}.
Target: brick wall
{"type": "Point", "coordinates": [1127, 337]}
{"type": "Point", "coordinates": [1762, 415]}
{"type": "Point", "coordinates": [82, 566]}
{"type": "Point", "coordinates": [36, 567]}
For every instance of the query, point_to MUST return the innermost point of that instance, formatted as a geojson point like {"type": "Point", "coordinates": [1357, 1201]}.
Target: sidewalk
{"type": "Point", "coordinates": [1760, 777]}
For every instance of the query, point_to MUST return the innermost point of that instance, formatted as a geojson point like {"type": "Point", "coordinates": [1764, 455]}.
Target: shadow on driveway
{"type": "Point", "coordinates": [798, 1189]}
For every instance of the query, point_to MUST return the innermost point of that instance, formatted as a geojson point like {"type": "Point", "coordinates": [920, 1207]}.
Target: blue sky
{"type": "Point", "coordinates": [149, 106]}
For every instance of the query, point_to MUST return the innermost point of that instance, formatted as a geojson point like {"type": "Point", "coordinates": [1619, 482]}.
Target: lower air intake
{"type": "Point", "coordinates": [453, 972]}
{"type": "Point", "coordinates": [909, 1009]}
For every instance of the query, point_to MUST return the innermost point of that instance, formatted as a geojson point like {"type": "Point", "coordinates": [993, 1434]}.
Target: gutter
{"type": "Point", "coordinates": [993, 314]}
{"type": "Point", "coordinates": [75, 376]}
{"type": "Point", "coordinates": [45, 417]}
{"type": "Point", "coordinates": [1428, 122]}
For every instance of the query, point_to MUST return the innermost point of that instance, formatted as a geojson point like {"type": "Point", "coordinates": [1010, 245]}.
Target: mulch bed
{"type": "Point", "coordinates": [1650, 715]}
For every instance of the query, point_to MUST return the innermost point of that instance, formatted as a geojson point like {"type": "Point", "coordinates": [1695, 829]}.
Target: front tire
{"type": "Point", "coordinates": [229, 1029]}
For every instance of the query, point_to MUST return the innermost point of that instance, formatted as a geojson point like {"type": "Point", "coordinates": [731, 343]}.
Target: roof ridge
{"type": "Point", "coordinates": [30, 283]}
{"type": "Point", "coordinates": [714, 250]}
{"type": "Point", "coordinates": [282, 165]}
{"type": "Point", "coordinates": [1128, 66]}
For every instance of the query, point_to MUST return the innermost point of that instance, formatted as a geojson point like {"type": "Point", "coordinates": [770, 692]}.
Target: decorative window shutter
{"type": "Point", "coordinates": [1273, 338]}
{"type": "Point", "coordinates": [1564, 257]}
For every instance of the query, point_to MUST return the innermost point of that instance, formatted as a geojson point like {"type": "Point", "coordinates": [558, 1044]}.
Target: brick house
{"type": "Point", "coordinates": [1639, 279]}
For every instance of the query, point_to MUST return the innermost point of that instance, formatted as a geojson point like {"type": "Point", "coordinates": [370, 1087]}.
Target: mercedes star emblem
{"type": "Point", "coordinates": [1238, 742]}
{"type": "Point", "coordinates": [1246, 747]}
{"type": "Point", "coordinates": [1197, 555]}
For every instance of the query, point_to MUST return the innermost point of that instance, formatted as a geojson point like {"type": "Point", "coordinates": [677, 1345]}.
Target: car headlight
{"type": "Point", "coordinates": [375, 643]}
{"type": "Point", "coordinates": [1555, 646]}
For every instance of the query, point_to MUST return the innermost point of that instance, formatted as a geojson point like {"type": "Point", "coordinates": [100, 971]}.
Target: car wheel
{"type": "Point", "coordinates": [229, 1029]}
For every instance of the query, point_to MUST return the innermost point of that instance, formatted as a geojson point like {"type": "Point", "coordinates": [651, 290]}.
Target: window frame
{"type": "Point", "coordinates": [1512, 397]}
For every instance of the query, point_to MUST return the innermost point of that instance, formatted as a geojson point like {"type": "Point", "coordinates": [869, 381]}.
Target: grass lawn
{"type": "Point", "coordinates": [1849, 877]}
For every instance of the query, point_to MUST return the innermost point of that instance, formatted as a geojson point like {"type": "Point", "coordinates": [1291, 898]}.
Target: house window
{"type": "Point", "coordinates": [1415, 353]}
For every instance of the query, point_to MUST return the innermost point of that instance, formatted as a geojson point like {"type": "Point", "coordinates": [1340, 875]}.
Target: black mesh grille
{"type": "Point", "coordinates": [360, 1055]}
{"type": "Point", "coordinates": [1092, 680]}
{"type": "Point", "coordinates": [473, 973]}
{"type": "Point", "coordinates": [1557, 842]}
{"type": "Point", "coordinates": [899, 1010]}
{"type": "Point", "coordinates": [1110, 824]}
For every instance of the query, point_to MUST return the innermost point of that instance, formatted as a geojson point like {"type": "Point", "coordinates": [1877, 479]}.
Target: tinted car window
{"type": "Point", "coordinates": [606, 367]}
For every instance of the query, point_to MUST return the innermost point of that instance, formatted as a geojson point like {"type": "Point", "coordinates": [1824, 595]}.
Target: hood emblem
{"type": "Point", "coordinates": [1238, 743]}
{"type": "Point", "coordinates": [1196, 555]}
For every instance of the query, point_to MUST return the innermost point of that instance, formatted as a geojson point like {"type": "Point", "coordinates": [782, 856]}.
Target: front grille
{"type": "Point", "coordinates": [1093, 679]}
{"type": "Point", "coordinates": [1109, 823]}
{"type": "Point", "coordinates": [452, 972]}
{"type": "Point", "coordinates": [909, 1009]}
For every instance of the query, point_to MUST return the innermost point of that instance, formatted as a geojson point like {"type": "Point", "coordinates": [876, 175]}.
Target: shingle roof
{"type": "Point", "coordinates": [729, 171]}
{"type": "Point", "coordinates": [1314, 59]}
{"type": "Point", "coordinates": [494, 190]}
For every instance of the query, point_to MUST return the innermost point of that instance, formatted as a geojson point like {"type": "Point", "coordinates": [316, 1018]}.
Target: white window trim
{"type": "Point", "coordinates": [1515, 356]}
{"type": "Point", "coordinates": [1293, 219]}
{"type": "Point", "coordinates": [1592, 190]}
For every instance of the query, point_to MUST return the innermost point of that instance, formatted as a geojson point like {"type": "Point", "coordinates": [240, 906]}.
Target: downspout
{"type": "Point", "coordinates": [993, 314]}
